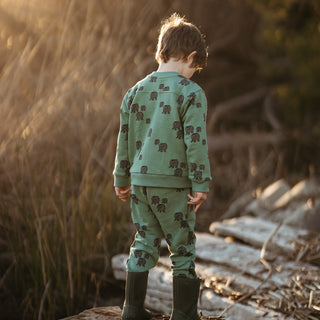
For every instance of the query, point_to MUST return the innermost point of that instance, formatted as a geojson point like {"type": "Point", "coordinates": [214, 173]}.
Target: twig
{"type": "Point", "coordinates": [265, 263]}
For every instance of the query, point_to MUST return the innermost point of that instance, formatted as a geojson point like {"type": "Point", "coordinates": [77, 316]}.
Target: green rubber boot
{"type": "Point", "coordinates": [136, 288]}
{"type": "Point", "coordinates": [185, 299]}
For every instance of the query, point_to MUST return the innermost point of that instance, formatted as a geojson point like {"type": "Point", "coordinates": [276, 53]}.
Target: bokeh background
{"type": "Point", "coordinates": [64, 68]}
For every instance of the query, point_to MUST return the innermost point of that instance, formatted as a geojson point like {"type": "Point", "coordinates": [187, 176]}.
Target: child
{"type": "Point", "coordinates": [162, 158]}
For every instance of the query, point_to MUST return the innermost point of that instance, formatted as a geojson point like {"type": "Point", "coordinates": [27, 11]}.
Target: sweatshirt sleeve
{"type": "Point", "coordinates": [195, 138]}
{"type": "Point", "coordinates": [122, 164]}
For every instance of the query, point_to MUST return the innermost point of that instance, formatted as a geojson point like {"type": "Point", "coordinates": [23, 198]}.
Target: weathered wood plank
{"type": "Point", "coordinates": [255, 231]}
{"type": "Point", "coordinates": [159, 293]}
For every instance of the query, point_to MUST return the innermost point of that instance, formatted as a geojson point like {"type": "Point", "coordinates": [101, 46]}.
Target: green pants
{"type": "Point", "coordinates": [162, 213]}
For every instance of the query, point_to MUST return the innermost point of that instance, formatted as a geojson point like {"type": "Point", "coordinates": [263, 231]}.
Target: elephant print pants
{"type": "Point", "coordinates": [162, 213]}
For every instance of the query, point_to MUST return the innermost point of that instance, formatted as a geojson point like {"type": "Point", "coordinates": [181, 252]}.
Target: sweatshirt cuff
{"type": "Point", "coordinates": [120, 181]}
{"type": "Point", "coordinates": [200, 187]}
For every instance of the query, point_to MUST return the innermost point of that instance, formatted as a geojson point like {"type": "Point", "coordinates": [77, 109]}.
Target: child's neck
{"type": "Point", "coordinates": [180, 66]}
{"type": "Point", "coordinates": [171, 66]}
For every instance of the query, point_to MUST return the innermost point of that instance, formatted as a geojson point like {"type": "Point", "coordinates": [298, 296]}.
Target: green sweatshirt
{"type": "Point", "coordinates": [162, 138]}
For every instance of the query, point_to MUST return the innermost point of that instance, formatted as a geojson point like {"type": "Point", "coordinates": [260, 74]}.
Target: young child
{"type": "Point", "coordinates": [162, 164]}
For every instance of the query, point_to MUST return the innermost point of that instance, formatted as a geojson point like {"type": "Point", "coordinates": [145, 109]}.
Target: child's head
{"type": "Point", "coordinates": [178, 38]}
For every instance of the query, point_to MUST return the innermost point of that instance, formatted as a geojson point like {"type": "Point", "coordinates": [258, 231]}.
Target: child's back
{"type": "Point", "coordinates": [165, 116]}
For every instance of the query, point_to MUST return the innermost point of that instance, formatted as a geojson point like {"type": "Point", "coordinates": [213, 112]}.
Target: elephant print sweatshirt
{"type": "Point", "coordinates": [162, 138]}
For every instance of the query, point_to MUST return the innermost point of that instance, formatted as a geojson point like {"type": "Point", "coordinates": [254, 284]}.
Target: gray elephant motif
{"type": "Point", "coordinates": [182, 251]}
{"type": "Point", "coordinates": [180, 134]}
{"type": "Point", "coordinates": [198, 105]}
{"type": "Point", "coordinates": [174, 163]}
{"type": "Point", "coordinates": [189, 129]}
{"type": "Point", "coordinates": [163, 147]}
{"type": "Point", "coordinates": [195, 137]}
{"type": "Point", "coordinates": [125, 128]}
{"type": "Point", "coordinates": [142, 233]}
{"type": "Point", "coordinates": [155, 199]}
{"type": "Point", "coordinates": [153, 95]}
{"type": "Point", "coordinates": [161, 207]}
{"type": "Point", "coordinates": [138, 144]}
{"type": "Point", "coordinates": [178, 172]}
{"type": "Point", "coordinates": [139, 116]}
{"type": "Point", "coordinates": [176, 125]}
{"type": "Point", "coordinates": [201, 167]}
{"type": "Point", "coordinates": [180, 99]}
{"type": "Point", "coordinates": [161, 86]}
{"type": "Point", "coordinates": [167, 88]}
{"type": "Point", "coordinates": [184, 224]}
{"type": "Point", "coordinates": [153, 79]}
{"type": "Point", "coordinates": [134, 108]}
{"type": "Point", "coordinates": [178, 216]}
{"type": "Point", "coordinates": [166, 109]}
{"type": "Point", "coordinates": [204, 142]}
{"type": "Point", "coordinates": [144, 169]}
{"type": "Point", "coordinates": [143, 108]}
{"type": "Point", "coordinates": [141, 262]}
{"type": "Point", "coordinates": [197, 175]}
{"type": "Point", "coordinates": [138, 253]}
{"type": "Point", "coordinates": [198, 129]}
{"type": "Point", "coordinates": [184, 82]}
{"type": "Point", "coordinates": [124, 164]}
{"type": "Point", "coordinates": [193, 167]}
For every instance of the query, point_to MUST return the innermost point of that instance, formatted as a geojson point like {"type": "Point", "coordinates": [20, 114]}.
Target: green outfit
{"type": "Point", "coordinates": [162, 140]}
{"type": "Point", "coordinates": [163, 154]}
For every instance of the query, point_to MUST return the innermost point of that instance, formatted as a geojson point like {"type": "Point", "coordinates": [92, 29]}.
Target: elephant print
{"type": "Point", "coordinates": [174, 163]}
{"type": "Point", "coordinates": [163, 147]}
{"type": "Point", "coordinates": [195, 137]}
{"type": "Point", "coordinates": [189, 129]}
{"type": "Point", "coordinates": [125, 128]}
{"type": "Point", "coordinates": [176, 125]}
{"type": "Point", "coordinates": [139, 116]}
{"type": "Point", "coordinates": [144, 169]}
{"type": "Point", "coordinates": [197, 175]}
{"type": "Point", "coordinates": [180, 134]}
{"type": "Point", "coordinates": [153, 79]}
{"type": "Point", "coordinates": [184, 82]}
{"type": "Point", "coordinates": [180, 99]}
{"type": "Point", "coordinates": [166, 109]}
{"type": "Point", "coordinates": [153, 95]}
{"type": "Point", "coordinates": [134, 108]}
{"type": "Point", "coordinates": [155, 199]}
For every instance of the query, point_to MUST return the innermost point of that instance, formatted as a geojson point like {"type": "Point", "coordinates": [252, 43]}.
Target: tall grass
{"type": "Point", "coordinates": [64, 67]}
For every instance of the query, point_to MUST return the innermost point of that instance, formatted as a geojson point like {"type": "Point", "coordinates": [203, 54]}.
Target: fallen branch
{"type": "Point", "coordinates": [234, 104]}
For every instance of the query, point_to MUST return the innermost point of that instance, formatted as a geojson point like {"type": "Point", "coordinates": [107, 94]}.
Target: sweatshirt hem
{"type": "Point", "coordinates": [161, 181]}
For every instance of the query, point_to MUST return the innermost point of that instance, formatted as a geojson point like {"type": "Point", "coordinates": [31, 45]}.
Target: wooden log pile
{"type": "Point", "coordinates": [236, 284]}
{"type": "Point", "coordinates": [254, 266]}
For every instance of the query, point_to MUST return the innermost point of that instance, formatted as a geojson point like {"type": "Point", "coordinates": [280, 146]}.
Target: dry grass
{"type": "Point", "coordinates": [64, 66]}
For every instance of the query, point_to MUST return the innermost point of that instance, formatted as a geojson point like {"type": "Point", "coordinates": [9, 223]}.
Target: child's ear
{"type": "Point", "coordinates": [191, 56]}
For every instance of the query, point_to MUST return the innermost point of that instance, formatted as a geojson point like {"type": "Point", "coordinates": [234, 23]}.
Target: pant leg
{"type": "Point", "coordinates": [177, 221]}
{"type": "Point", "coordinates": [144, 251]}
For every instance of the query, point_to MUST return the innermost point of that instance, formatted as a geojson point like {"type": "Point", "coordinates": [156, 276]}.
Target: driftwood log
{"type": "Point", "coordinates": [235, 283]}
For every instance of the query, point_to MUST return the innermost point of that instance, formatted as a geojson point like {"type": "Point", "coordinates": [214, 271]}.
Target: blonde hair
{"type": "Point", "coordinates": [178, 38]}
